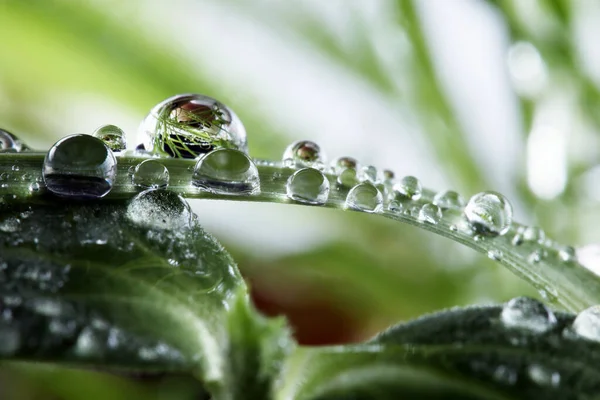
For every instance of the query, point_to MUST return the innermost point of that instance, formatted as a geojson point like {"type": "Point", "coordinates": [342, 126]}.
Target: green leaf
{"type": "Point", "coordinates": [461, 353]}
{"type": "Point", "coordinates": [137, 285]}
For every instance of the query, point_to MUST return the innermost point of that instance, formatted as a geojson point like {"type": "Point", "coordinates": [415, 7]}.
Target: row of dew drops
{"type": "Point", "coordinates": [198, 127]}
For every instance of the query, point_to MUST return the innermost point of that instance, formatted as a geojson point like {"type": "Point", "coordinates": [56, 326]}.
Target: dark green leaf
{"type": "Point", "coordinates": [461, 353]}
{"type": "Point", "coordinates": [136, 286]}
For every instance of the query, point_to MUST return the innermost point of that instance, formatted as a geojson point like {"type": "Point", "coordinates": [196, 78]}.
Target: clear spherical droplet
{"type": "Point", "coordinates": [449, 199]}
{"type": "Point", "coordinates": [364, 197]}
{"type": "Point", "coordinates": [150, 174]}
{"type": "Point", "coordinates": [587, 324]}
{"type": "Point", "coordinates": [533, 234]}
{"type": "Point", "coordinates": [342, 163]}
{"type": "Point", "coordinates": [495, 255]}
{"type": "Point", "coordinates": [112, 136]}
{"type": "Point", "coordinates": [368, 174]}
{"type": "Point", "coordinates": [430, 213]}
{"type": "Point", "coordinates": [189, 125]}
{"type": "Point", "coordinates": [79, 166]}
{"type": "Point", "coordinates": [9, 143]}
{"type": "Point", "coordinates": [528, 314]}
{"type": "Point", "coordinates": [309, 186]}
{"type": "Point", "coordinates": [543, 376]}
{"type": "Point", "coordinates": [304, 153]}
{"type": "Point", "coordinates": [567, 253]}
{"type": "Point", "coordinates": [388, 175]}
{"type": "Point", "coordinates": [159, 209]}
{"type": "Point", "coordinates": [409, 187]}
{"type": "Point", "coordinates": [226, 171]}
{"type": "Point", "coordinates": [489, 213]}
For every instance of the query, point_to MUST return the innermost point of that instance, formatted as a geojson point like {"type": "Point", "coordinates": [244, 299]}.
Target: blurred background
{"type": "Point", "coordinates": [466, 95]}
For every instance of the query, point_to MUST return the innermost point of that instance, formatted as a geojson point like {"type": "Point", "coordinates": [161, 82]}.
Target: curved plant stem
{"type": "Point", "coordinates": [564, 283]}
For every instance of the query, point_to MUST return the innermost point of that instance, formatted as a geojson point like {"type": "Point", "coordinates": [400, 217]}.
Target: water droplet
{"type": "Point", "coordinates": [150, 174]}
{"type": "Point", "coordinates": [543, 376]}
{"type": "Point", "coordinates": [189, 125]}
{"type": "Point", "coordinates": [10, 224]}
{"type": "Point", "coordinates": [308, 185]}
{"type": "Point", "coordinates": [529, 314]}
{"type": "Point", "coordinates": [364, 197]}
{"type": "Point", "coordinates": [453, 228]}
{"type": "Point", "coordinates": [112, 136]}
{"type": "Point", "coordinates": [409, 187]}
{"type": "Point", "coordinates": [449, 199]}
{"type": "Point", "coordinates": [304, 153]}
{"type": "Point", "coordinates": [368, 174]}
{"type": "Point", "coordinates": [533, 234]}
{"type": "Point", "coordinates": [537, 255]}
{"type": "Point", "coordinates": [489, 213]}
{"type": "Point", "coordinates": [342, 163]}
{"type": "Point", "coordinates": [430, 213]}
{"type": "Point", "coordinates": [388, 175]}
{"type": "Point", "coordinates": [161, 209]}
{"type": "Point", "coordinates": [495, 255]}
{"type": "Point", "coordinates": [505, 374]}
{"type": "Point", "coordinates": [79, 166]}
{"type": "Point", "coordinates": [567, 253]}
{"type": "Point", "coordinates": [9, 143]}
{"type": "Point", "coordinates": [226, 171]}
{"type": "Point", "coordinates": [587, 324]}
{"type": "Point", "coordinates": [34, 187]}
{"type": "Point", "coordinates": [395, 206]}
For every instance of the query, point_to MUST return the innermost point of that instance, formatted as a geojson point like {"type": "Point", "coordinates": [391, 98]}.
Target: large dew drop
{"type": "Point", "coordinates": [309, 186]}
{"type": "Point", "coordinates": [79, 166]}
{"type": "Point", "coordinates": [528, 314]}
{"type": "Point", "coordinates": [150, 174]}
{"type": "Point", "coordinates": [189, 125]}
{"type": "Point", "coordinates": [226, 171]}
{"type": "Point", "coordinates": [364, 197]}
{"type": "Point", "coordinates": [159, 209]}
{"type": "Point", "coordinates": [112, 136]}
{"type": "Point", "coordinates": [9, 143]}
{"type": "Point", "coordinates": [587, 324]}
{"type": "Point", "coordinates": [409, 187]}
{"type": "Point", "coordinates": [489, 213]}
{"type": "Point", "coordinates": [304, 153]}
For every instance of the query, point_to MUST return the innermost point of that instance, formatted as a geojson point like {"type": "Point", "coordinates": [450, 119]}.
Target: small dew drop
{"type": "Point", "coordinates": [533, 234]}
{"type": "Point", "coordinates": [587, 324]}
{"type": "Point", "coordinates": [388, 175]}
{"type": "Point", "coordinates": [495, 255]}
{"type": "Point", "coordinates": [150, 174]}
{"type": "Point", "coordinates": [409, 187]}
{"type": "Point", "coordinates": [537, 255]}
{"type": "Point", "coordinates": [10, 225]}
{"type": "Point", "coordinates": [543, 376]}
{"type": "Point", "coordinates": [567, 254]}
{"type": "Point", "coordinates": [308, 185]}
{"type": "Point", "coordinates": [112, 136]}
{"type": "Point", "coordinates": [489, 213]}
{"type": "Point", "coordinates": [430, 213]}
{"type": "Point", "coordinates": [364, 197]}
{"type": "Point", "coordinates": [395, 206]}
{"type": "Point", "coordinates": [79, 166]}
{"type": "Point", "coordinates": [304, 153]}
{"type": "Point", "coordinates": [189, 125]}
{"type": "Point", "coordinates": [226, 171]}
{"type": "Point", "coordinates": [449, 199]}
{"type": "Point", "coordinates": [160, 209]}
{"type": "Point", "coordinates": [528, 314]}
{"type": "Point", "coordinates": [9, 143]}
{"type": "Point", "coordinates": [369, 174]}
{"type": "Point", "coordinates": [505, 375]}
